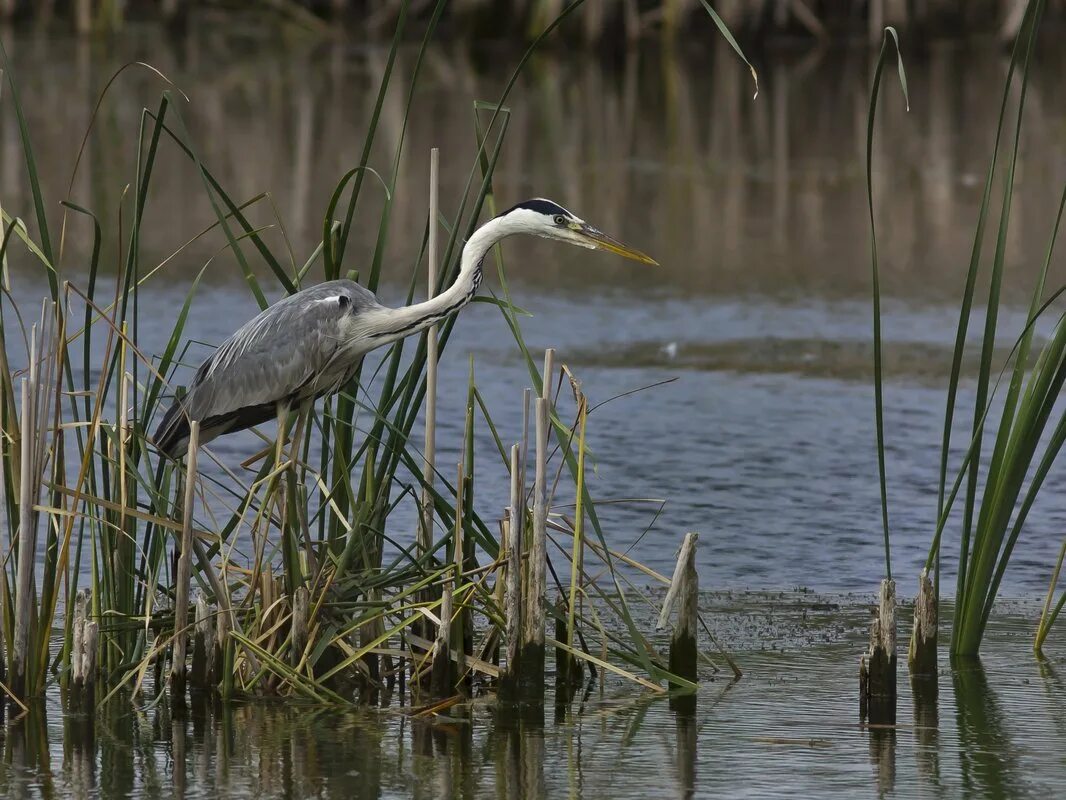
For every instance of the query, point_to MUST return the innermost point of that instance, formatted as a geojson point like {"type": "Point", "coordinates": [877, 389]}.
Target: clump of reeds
{"type": "Point", "coordinates": [293, 594]}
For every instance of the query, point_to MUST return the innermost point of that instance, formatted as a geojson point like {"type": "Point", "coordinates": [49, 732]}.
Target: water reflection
{"type": "Point", "coordinates": [687, 747]}
{"type": "Point", "coordinates": [788, 723]}
{"type": "Point", "coordinates": [883, 757]}
{"type": "Point", "coordinates": [734, 196]}
{"type": "Point", "coordinates": [986, 753]}
{"type": "Point", "coordinates": [925, 695]}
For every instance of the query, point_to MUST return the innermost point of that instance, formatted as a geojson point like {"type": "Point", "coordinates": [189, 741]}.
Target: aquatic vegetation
{"type": "Point", "coordinates": [303, 588]}
{"type": "Point", "coordinates": [995, 507]}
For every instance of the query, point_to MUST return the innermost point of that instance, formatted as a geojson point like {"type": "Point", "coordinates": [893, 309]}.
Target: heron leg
{"type": "Point", "coordinates": [283, 419]}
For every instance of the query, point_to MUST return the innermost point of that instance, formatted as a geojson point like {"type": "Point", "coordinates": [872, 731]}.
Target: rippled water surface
{"type": "Point", "coordinates": [788, 728]}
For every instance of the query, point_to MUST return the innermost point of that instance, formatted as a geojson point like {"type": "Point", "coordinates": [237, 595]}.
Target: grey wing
{"type": "Point", "coordinates": [293, 349]}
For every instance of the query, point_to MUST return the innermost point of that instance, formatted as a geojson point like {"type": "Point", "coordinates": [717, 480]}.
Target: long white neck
{"type": "Point", "coordinates": [390, 324]}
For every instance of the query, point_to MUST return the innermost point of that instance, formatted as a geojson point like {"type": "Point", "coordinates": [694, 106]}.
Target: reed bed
{"type": "Point", "coordinates": [284, 576]}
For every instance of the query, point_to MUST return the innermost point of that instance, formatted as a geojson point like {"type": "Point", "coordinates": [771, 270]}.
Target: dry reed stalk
{"type": "Point", "coordinates": [440, 680]}
{"type": "Point", "coordinates": [425, 532]}
{"type": "Point", "coordinates": [877, 668]}
{"type": "Point", "coordinates": [459, 556]}
{"type": "Point", "coordinates": [27, 538]}
{"type": "Point", "coordinates": [512, 602]}
{"type": "Point", "coordinates": [184, 573]}
{"type": "Point", "coordinates": [532, 656]}
{"type": "Point", "coordinates": [572, 667]}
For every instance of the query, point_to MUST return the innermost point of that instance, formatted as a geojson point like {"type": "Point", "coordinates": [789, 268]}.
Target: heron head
{"type": "Point", "coordinates": [550, 220]}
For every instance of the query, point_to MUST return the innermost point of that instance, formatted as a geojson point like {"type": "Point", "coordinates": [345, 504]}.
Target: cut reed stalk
{"type": "Point", "coordinates": [532, 654]}
{"type": "Point", "coordinates": [684, 590]}
{"type": "Point", "coordinates": [462, 617]}
{"type": "Point", "coordinates": [572, 669]}
{"type": "Point", "coordinates": [922, 651]}
{"type": "Point", "coordinates": [184, 572]}
{"type": "Point", "coordinates": [441, 673]}
{"type": "Point", "coordinates": [512, 606]}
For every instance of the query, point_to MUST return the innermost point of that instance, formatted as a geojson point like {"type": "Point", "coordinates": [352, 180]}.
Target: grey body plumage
{"type": "Point", "coordinates": [311, 343]}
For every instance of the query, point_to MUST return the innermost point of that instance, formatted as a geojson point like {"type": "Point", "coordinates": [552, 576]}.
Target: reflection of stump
{"type": "Point", "coordinates": [877, 668]}
{"type": "Point", "coordinates": [883, 758]}
{"type": "Point", "coordinates": [687, 749]}
{"type": "Point", "coordinates": [926, 725]}
{"type": "Point", "coordinates": [921, 655]}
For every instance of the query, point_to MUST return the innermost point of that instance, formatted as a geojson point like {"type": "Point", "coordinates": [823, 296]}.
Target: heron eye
{"type": "Point", "coordinates": [559, 219]}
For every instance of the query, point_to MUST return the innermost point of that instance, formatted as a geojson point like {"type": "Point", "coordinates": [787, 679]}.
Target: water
{"type": "Point", "coordinates": [788, 728]}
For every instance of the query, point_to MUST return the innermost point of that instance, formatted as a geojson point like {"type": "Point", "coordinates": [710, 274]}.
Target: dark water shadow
{"type": "Point", "coordinates": [27, 758]}
{"type": "Point", "coordinates": [987, 756]}
{"type": "Point", "coordinates": [925, 695]}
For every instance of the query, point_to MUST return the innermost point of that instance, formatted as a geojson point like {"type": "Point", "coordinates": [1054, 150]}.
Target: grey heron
{"type": "Point", "coordinates": [311, 343]}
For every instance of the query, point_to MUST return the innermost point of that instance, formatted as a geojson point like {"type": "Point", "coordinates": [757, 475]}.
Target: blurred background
{"type": "Point", "coordinates": [640, 118]}
{"type": "Point", "coordinates": [604, 21]}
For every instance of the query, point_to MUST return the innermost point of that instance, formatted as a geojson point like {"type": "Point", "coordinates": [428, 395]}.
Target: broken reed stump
{"type": "Point", "coordinates": [184, 572]}
{"type": "Point", "coordinates": [203, 647]}
{"type": "Point", "coordinates": [921, 655]}
{"type": "Point", "coordinates": [85, 637]}
{"type": "Point", "coordinates": [877, 667]}
{"type": "Point", "coordinates": [684, 591]}
{"type": "Point", "coordinates": [531, 654]}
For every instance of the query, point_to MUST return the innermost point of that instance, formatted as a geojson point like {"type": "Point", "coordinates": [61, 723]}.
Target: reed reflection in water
{"type": "Point", "coordinates": [788, 728]}
{"type": "Point", "coordinates": [734, 195]}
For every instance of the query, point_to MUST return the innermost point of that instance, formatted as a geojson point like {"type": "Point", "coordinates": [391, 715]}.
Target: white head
{"type": "Point", "coordinates": [550, 220]}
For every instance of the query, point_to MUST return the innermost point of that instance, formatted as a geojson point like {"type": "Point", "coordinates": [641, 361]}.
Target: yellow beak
{"type": "Point", "coordinates": [601, 241]}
